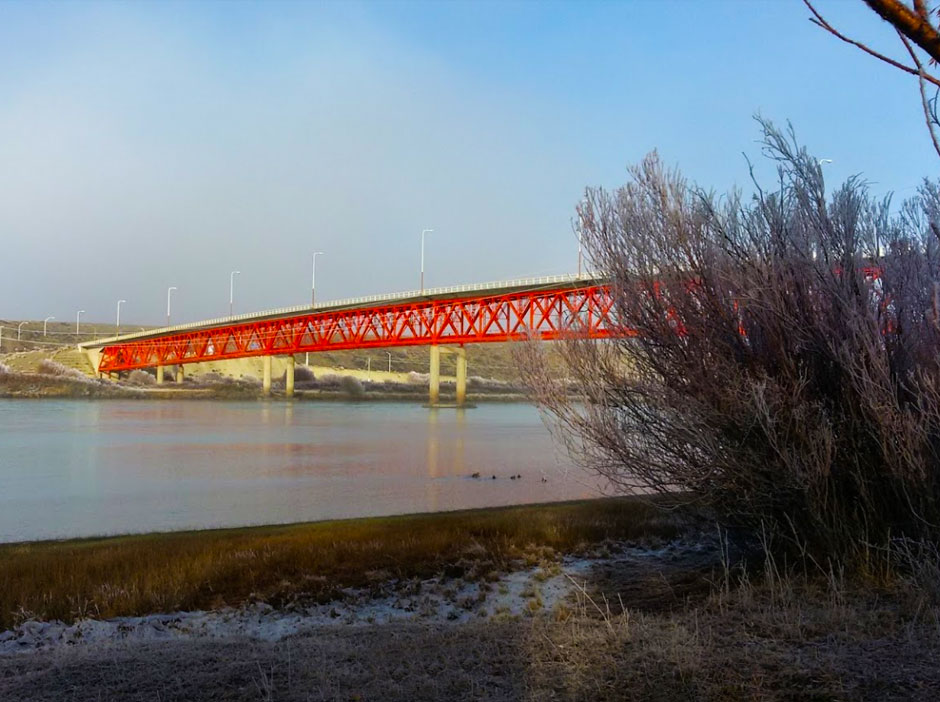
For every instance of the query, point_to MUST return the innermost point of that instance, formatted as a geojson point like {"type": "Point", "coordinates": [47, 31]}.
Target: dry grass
{"type": "Point", "coordinates": [768, 633]}
{"type": "Point", "coordinates": [748, 645]}
{"type": "Point", "coordinates": [136, 575]}
{"type": "Point", "coordinates": [826, 642]}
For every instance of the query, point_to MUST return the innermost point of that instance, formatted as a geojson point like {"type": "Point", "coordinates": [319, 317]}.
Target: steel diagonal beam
{"type": "Point", "coordinates": [492, 318]}
{"type": "Point", "coordinates": [547, 313]}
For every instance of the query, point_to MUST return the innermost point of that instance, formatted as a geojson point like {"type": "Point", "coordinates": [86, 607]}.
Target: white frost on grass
{"type": "Point", "coordinates": [522, 592]}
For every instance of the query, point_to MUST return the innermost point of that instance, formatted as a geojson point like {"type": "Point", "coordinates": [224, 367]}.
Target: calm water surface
{"type": "Point", "coordinates": [81, 468]}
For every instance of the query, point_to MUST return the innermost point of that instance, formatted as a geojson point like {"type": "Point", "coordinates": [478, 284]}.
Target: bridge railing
{"type": "Point", "coordinates": [351, 302]}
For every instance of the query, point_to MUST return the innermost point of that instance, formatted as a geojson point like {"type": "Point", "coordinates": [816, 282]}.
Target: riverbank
{"type": "Point", "coordinates": [311, 562]}
{"type": "Point", "coordinates": [601, 600]}
{"type": "Point", "coordinates": [58, 382]}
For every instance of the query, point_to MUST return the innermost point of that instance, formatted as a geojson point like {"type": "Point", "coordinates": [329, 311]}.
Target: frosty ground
{"type": "Point", "coordinates": [620, 620]}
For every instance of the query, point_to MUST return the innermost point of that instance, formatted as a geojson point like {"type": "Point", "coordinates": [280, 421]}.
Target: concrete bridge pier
{"type": "Point", "coordinates": [179, 373]}
{"type": "Point", "coordinates": [159, 375]}
{"type": "Point", "coordinates": [289, 377]}
{"type": "Point", "coordinates": [461, 376]}
{"type": "Point", "coordinates": [266, 376]}
{"type": "Point", "coordinates": [434, 389]}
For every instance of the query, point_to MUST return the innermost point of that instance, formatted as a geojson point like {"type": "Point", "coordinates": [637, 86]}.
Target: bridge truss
{"type": "Point", "coordinates": [542, 313]}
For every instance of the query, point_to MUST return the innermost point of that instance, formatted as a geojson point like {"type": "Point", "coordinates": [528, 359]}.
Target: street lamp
{"type": "Point", "coordinates": [78, 320]}
{"type": "Point", "coordinates": [19, 330]}
{"type": "Point", "coordinates": [44, 323]}
{"type": "Point", "coordinates": [389, 361]}
{"type": "Point", "coordinates": [169, 291]}
{"type": "Point", "coordinates": [824, 161]}
{"type": "Point", "coordinates": [231, 291]}
{"type": "Point", "coordinates": [313, 279]}
{"type": "Point", "coordinates": [580, 233]}
{"type": "Point", "coordinates": [117, 322]}
{"type": "Point", "coordinates": [423, 233]}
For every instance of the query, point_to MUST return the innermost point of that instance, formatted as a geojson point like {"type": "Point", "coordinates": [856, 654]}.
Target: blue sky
{"type": "Point", "coordinates": [144, 145]}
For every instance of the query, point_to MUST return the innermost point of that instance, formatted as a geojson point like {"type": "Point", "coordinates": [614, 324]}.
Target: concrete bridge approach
{"type": "Point", "coordinates": [446, 319]}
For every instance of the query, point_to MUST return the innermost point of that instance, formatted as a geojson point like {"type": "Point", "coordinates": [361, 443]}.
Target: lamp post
{"type": "Point", "coordinates": [424, 232]}
{"type": "Point", "coordinates": [78, 320]}
{"type": "Point", "coordinates": [231, 291]}
{"type": "Point", "coordinates": [313, 279]}
{"type": "Point", "coordinates": [581, 208]}
{"type": "Point", "coordinates": [579, 251]}
{"type": "Point", "coordinates": [44, 323]}
{"type": "Point", "coordinates": [389, 361]}
{"type": "Point", "coordinates": [117, 322]}
{"type": "Point", "coordinates": [19, 330]}
{"type": "Point", "coordinates": [169, 292]}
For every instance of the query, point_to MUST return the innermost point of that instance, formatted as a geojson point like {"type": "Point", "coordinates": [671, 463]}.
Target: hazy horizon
{"type": "Point", "coordinates": [154, 145]}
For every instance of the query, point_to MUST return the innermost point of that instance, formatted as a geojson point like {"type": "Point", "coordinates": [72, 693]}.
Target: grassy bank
{"type": "Point", "coordinates": [141, 574]}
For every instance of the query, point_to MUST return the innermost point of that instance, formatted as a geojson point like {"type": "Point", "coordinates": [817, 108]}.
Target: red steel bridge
{"type": "Point", "coordinates": [546, 308]}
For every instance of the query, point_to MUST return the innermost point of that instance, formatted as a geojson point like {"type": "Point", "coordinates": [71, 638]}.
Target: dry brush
{"type": "Point", "coordinates": [782, 366]}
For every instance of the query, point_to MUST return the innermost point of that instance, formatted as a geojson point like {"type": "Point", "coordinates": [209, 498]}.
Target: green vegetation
{"type": "Point", "coordinates": [136, 575]}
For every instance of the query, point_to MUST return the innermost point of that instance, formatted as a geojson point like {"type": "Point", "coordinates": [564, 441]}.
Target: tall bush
{"type": "Point", "coordinates": [782, 364]}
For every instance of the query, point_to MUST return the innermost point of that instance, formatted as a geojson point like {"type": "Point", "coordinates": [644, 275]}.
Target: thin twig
{"type": "Point", "coordinates": [928, 117]}
{"type": "Point", "coordinates": [819, 21]}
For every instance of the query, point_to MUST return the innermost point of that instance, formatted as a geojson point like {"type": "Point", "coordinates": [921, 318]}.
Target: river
{"type": "Point", "coordinates": [81, 468]}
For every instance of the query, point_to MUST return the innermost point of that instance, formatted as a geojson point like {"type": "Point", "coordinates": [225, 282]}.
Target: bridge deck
{"type": "Point", "coordinates": [441, 293]}
{"type": "Point", "coordinates": [547, 308]}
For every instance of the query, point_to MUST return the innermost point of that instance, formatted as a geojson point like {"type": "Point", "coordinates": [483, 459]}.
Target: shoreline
{"type": "Point", "coordinates": [39, 386]}
{"type": "Point", "coordinates": [453, 597]}
{"type": "Point", "coordinates": [306, 562]}
{"type": "Point", "coordinates": [338, 523]}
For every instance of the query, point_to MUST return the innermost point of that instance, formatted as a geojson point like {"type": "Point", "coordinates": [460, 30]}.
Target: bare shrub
{"type": "Point", "coordinates": [225, 388]}
{"type": "Point", "coordinates": [5, 369]}
{"type": "Point", "coordinates": [249, 380]}
{"type": "Point", "coordinates": [477, 382]}
{"type": "Point", "coordinates": [352, 386]}
{"type": "Point", "coordinates": [418, 378]}
{"type": "Point", "coordinates": [394, 386]}
{"type": "Point", "coordinates": [139, 377]}
{"type": "Point", "coordinates": [49, 367]}
{"type": "Point", "coordinates": [304, 374]}
{"type": "Point", "coordinates": [782, 361]}
{"type": "Point", "coordinates": [212, 378]}
{"type": "Point", "coordinates": [330, 381]}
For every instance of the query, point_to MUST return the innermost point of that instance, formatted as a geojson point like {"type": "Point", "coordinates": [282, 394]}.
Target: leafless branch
{"type": "Point", "coordinates": [914, 24]}
{"type": "Point", "coordinates": [820, 21]}
{"type": "Point", "coordinates": [781, 366]}
{"type": "Point", "coordinates": [925, 103]}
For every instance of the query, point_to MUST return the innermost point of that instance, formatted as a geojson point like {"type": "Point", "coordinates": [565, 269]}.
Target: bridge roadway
{"type": "Point", "coordinates": [444, 318]}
